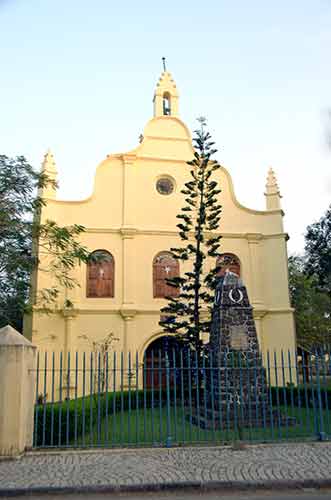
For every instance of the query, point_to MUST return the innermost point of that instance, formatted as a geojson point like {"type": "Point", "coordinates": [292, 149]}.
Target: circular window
{"type": "Point", "coordinates": [164, 185]}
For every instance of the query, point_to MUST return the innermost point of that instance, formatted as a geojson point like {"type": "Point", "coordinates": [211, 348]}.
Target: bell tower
{"type": "Point", "coordinates": [166, 95]}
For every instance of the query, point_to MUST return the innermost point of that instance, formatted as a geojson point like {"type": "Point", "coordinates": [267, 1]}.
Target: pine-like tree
{"type": "Point", "coordinates": [185, 315]}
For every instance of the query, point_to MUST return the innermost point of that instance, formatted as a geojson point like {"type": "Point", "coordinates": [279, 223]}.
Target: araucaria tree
{"type": "Point", "coordinates": [187, 315]}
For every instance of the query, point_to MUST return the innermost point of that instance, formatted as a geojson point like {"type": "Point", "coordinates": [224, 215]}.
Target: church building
{"type": "Point", "coordinates": [130, 221]}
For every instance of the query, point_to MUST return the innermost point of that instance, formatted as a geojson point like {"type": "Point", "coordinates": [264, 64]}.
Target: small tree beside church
{"type": "Point", "coordinates": [21, 232]}
{"type": "Point", "coordinates": [187, 315]}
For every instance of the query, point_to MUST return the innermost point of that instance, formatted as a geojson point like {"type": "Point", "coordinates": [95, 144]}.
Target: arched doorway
{"type": "Point", "coordinates": [155, 362]}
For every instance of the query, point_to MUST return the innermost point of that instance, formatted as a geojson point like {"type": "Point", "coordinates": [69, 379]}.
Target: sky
{"type": "Point", "coordinates": [78, 77]}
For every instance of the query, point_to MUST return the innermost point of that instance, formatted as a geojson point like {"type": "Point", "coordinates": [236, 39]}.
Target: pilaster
{"type": "Point", "coordinates": [254, 245]}
{"type": "Point", "coordinates": [129, 327]}
{"type": "Point", "coordinates": [129, 265]}
{"type": "Point", "coordinates": [128, 190]}
{"type": "Point", "coordinates": [69, 315]}
{"type": "Point", "coordinates": [258, 315]}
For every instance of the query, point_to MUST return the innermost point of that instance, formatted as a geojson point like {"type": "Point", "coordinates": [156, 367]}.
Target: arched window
{"type": "Point", "coordinates": [228, 262]}
{"type": "Point", "coordinates": [166, 104]}
{"type": "Point", "coordinates": [164, 266]}
{"type": "Point", "coordinates": [100, 274]}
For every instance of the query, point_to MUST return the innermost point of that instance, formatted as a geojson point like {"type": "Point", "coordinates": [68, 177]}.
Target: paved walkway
{"type": "Point", "coordinates": [281, 465]}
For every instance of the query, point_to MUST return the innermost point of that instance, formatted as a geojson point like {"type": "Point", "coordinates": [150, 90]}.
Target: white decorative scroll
{"type": "Point", "coordinates": [241, 296]}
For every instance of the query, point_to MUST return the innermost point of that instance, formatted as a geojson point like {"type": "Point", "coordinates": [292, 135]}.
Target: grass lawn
{"type": "Point", "coordinates": [149, 427]}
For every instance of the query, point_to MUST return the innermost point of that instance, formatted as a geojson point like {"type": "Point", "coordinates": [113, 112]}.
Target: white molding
{"type": "Point", "coordinates": [166, 232]}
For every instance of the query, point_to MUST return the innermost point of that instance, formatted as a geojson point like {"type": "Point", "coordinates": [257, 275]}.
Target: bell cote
{"type": "Point", "coordinates": [166, 96]}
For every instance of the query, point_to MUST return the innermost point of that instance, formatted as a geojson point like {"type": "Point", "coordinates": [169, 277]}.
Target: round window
{"type": "Point", "coordinates": [164, 185]}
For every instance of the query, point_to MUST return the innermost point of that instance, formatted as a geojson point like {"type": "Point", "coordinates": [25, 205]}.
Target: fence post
{"type": "Point", "coordinates": [17, 386]}
{"type": "Point", "coordinates": [168, 438]}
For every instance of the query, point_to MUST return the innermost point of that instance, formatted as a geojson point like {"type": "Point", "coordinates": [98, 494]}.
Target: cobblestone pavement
{"type": "Point", "coordinates": [285, 464]}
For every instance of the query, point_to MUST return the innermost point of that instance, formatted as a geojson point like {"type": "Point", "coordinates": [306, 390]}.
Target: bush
{"type": "Point", "coordinates": [59, 423]}
{"type": "Point", "coordinates": [300, 396]}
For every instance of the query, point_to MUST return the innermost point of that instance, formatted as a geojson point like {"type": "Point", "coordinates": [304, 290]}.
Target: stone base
{"type": "Point", "coordinates": [223, 420]}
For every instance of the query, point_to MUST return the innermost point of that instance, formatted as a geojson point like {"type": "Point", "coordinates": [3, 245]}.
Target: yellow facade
{"type": "Point", "coordinates": [127, 216]}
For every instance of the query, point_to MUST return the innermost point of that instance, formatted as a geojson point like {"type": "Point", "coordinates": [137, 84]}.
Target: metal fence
{"type": "Point", "coordinates": [178, 397]}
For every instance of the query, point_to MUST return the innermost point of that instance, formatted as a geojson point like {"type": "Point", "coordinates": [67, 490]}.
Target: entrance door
{"type": "Point", "coordinates": [155, 366]}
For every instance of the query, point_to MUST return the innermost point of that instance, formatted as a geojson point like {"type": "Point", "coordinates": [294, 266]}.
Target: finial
{"type": "Point", "coordinates": [164, 64]}
{"type": "Point", "coordinates": [49, 162]}
{"type": "Point", "coordinates": [48, 167]}
{"type": "Point", "coordinates": [272, 191]}
{"type": "Point", "coordinates": [271, 186]}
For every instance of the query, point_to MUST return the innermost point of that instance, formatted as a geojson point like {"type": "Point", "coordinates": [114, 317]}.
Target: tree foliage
{"type": "Point", "coordinates": [23, 238]}
{"type": "Point", "coordinates": [185, 315]}
{"type": "Point", "coordinates": [312, 307]}
{"type": "Point", "coordinates": [318, 251]}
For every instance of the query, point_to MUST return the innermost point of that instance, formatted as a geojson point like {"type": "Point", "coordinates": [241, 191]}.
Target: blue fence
{"type": "Point", "coordinates": [178, 397]}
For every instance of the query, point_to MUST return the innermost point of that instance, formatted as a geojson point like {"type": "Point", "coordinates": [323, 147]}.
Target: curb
{"type": "Point", "coordinates": [176, 485]}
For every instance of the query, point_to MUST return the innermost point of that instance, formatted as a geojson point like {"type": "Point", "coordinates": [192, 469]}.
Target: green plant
{"type": "Point", "coordinates": [100, 350]}
{"type": "Point", "coordinates": [23, 238]}
{"type": "Point", "coordinates": [188, 314]}
{"type": "Point", "coordinates": [60, 422]}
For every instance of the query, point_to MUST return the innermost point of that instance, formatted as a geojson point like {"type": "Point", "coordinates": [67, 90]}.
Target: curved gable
{"type": "Point", "coordinates": [166, 137]}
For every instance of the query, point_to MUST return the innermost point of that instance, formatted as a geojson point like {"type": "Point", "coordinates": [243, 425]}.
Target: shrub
{"type": "Point", "coordinates": [57, 424]}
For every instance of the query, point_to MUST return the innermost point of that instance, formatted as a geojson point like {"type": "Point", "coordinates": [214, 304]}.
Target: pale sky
{"type": "Point", "coordinates": [78, 76]}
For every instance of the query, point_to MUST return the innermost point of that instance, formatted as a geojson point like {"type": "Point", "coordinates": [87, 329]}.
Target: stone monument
{"type": "Point", "coordinates": [233, 326]}
{"type": "Point", "coordinates": [238, 396]}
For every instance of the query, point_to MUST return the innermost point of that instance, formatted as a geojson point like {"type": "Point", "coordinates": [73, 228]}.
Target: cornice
{"type": "Point", "coordinates": [276, 235]}
{"type": "Point", "coordinates": [99, 311]}
{"type": "Point", "coordinates": [253, 237]}
{"type": "Point", "coordinates": [167, 138]}
{"type": "Point", "coordinates": [69, 313]}
{"type": "Point", "coordinates": [128, 232]}
{"type": "Point", "coordinates": [158, 159]}
{"type": "Point", "coordinates": [129, 158]}
{"type": "Point", "coordinates": [99, 230]}
{"type": "Point", "coordinates": [280, 310]}
{"type": "Point", "coordinates": [259, 313]}
{"type": "Point", "coordinates": [132, 231]}
{"type": "Point", "coordinates": [126, 310]}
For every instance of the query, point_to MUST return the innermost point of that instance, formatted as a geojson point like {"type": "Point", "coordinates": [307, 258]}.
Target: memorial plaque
{"type": "Point", "coordinates": [238, 337]}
